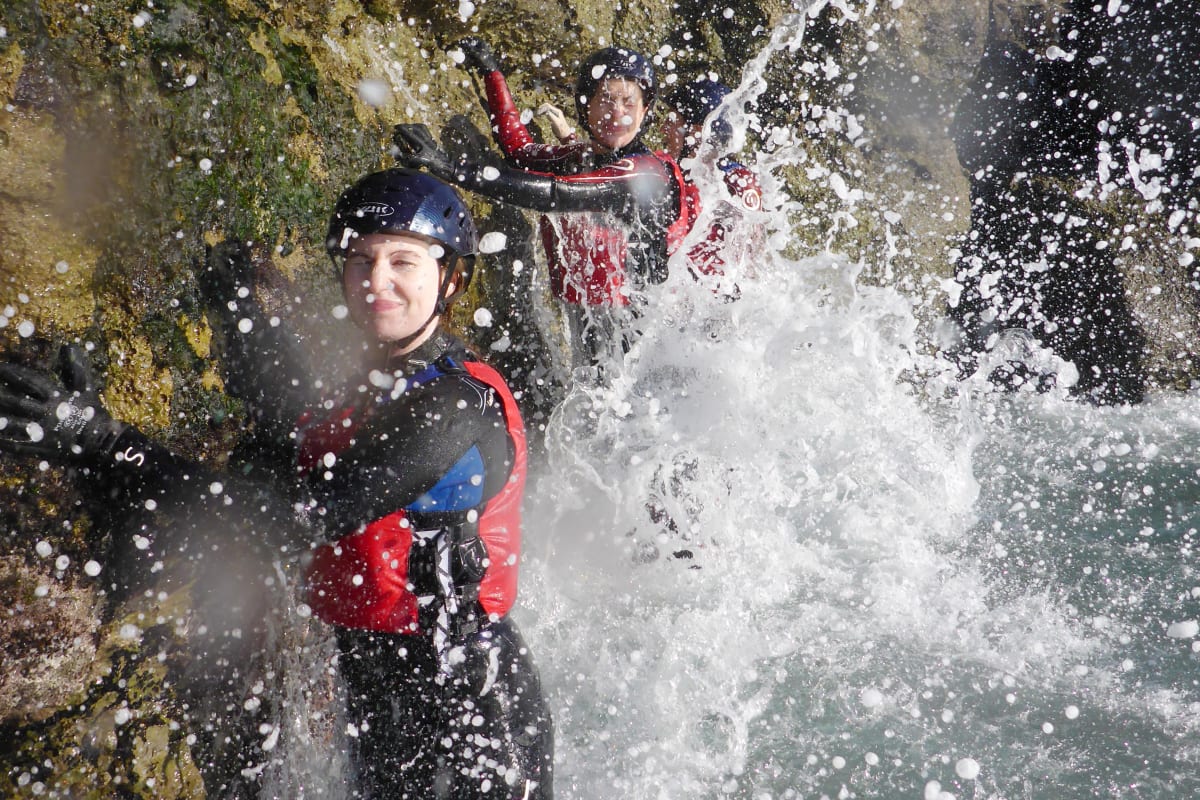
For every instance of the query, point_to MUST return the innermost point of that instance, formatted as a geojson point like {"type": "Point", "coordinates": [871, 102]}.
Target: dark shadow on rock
{"type": "Point", "coordinates": [209, 573]}
{"type": "Point", "coordinates": [1039, 256]}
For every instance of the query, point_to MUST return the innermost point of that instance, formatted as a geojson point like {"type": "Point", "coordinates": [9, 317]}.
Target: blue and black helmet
{"type": "Point", "coordinates": [403, 201]}
{"type": "Point", "coordinates": [695, 100]}
{"type": "Point", "coordinates": [410, 202]}
{"type": "Point", "coordinates": [613, 62]}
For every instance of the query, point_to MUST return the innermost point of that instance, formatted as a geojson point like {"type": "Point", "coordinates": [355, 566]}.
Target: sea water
{"type": "Point", "coordinates": [763, 562]}
{"type": "Point", "coordinates": [779, 552]}
{"type": "Point", "coordinates": [880, 592]}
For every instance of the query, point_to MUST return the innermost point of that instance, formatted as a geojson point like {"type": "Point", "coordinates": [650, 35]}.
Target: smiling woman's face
{"type": "Point", "coordinates": [391, 283]}
{"type": "Point", "coordinates": [616, 112]}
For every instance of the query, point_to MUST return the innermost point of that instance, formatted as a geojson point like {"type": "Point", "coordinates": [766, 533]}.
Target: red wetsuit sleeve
{"type": "Point", "coordinates": [734, 234]}
{"type": "Point", "coordinates": [514, 138]}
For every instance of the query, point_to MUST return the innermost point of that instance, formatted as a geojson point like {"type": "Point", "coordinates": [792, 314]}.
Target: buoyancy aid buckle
{"type": "Point", "coordinates": [445, 567]}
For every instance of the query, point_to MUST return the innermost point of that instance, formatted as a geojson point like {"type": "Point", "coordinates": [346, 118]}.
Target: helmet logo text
{"type": "Point", "coordinates": [375, 210]}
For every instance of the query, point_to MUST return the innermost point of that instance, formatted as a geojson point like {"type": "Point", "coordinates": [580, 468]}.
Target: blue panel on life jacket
{"type": "Point", "coordinates": [458, 490]}
{"type": "Point", "coordinates": [462, 487]}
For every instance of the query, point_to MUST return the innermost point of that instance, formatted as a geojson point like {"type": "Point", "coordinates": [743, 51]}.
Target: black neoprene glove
{"type": "Point", "coordinates": [227, 284]}
{"type": "Point", "coordinates": [263, 362]}
{"type": "Point", "coordinates": [55, 416]}
{"type": "Point", "coordinates": [477, 55]}
{"type": "Point", "coordinates": [419, 150]}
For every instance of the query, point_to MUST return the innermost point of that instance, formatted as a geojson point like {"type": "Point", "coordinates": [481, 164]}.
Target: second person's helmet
{"type": "Point", "coordinates": [695, 100]}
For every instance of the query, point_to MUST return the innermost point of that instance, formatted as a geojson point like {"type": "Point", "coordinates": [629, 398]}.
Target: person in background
{"type": "Point", "coordinates": [617, 207]}
{"type": "Point", "coordinates": [412, 474]}
{"type": "Point", "coordinates": [733, 232]}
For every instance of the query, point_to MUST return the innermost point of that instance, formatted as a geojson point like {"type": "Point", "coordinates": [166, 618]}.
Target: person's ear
{"type": "Point", "coordinates": [447, 280]}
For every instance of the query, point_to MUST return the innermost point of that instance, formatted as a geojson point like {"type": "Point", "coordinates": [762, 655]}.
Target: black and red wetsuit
{"type": "Point", "coordinates": [416, 473]}
{"type": "Point", "coordinates": [631, 199]}
{"type": "Point", "coordinates": [425, 469]}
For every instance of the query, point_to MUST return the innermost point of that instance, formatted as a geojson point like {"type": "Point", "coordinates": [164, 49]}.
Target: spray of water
{"type": "Point", "coordinates": [765, 562]}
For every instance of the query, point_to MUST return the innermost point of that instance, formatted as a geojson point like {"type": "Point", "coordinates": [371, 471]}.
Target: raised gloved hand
{"type": "Point", "coordinates": [55, 416]}
{"type": "Point", "coordinates": [477, 55]}
{"type": "Point", "coordinates": [418, 149]}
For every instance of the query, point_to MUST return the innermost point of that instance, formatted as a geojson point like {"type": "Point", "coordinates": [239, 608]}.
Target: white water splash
{"type": "Point", "coordinates": [895, 586]}
{"type": "Point", "coordinates": [863, 608]}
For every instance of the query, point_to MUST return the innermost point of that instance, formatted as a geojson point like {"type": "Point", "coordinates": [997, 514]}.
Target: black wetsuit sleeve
{"type": "Point", "coordinates": [605, 190]}
{"type": "Point", "coordinates": [139, 470]}
{"type": "Point", "coordinates": [264, 366]}
{"type": "Point", "coordinates": [636, 192]}
{"type": "Point", "coordinates": [141, 474]}
{"type": "Point", "coordinates": [403, 452]}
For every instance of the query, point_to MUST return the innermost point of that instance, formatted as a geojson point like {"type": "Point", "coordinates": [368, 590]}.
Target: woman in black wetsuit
{"type": "Point", "coordinates": [413, 473]}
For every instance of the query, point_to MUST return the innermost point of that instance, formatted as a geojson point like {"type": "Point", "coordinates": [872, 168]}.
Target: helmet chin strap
{"type": "Point", "coordinates": [444, 295]}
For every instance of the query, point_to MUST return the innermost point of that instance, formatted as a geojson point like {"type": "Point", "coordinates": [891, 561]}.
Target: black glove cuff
{"type": "Point", "coordinates": [115, 433]}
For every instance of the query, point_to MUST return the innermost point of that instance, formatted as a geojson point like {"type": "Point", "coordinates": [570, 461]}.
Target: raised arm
{"type": "Point", "coordinates": [58, 416]}
{"type": "Point", "coordinates": [640, 192]}
{"type": "Point", "coordinates": [510, 133]}
{"type": "Point", "coordinates": [263, 362]}
{"type": "Point", "coordinates": [626, 188]}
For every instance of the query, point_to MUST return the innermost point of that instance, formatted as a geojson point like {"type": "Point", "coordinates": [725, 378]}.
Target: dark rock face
{"type": "Point", "coordinates": [1079, 132]}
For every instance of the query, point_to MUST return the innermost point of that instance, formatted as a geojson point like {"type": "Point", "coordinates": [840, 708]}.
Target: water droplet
{"type": "Point", "coordinates": [967, 768]}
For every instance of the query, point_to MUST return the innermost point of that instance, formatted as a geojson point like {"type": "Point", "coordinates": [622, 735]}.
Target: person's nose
{"type": "Point", "coordinates": [380, 279]}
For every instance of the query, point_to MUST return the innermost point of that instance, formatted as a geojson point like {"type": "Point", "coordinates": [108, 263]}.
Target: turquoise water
{"type": "Point", "coordinates": [896, 590]}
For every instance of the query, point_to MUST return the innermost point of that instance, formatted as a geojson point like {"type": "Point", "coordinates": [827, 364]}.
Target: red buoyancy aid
{"type": "Point", "coordinates": [586, 259]}
{"type": "Point", "coordinates": [361, 581]}
{"type": "Point", "coordinates": [689, 205]}
{"type": "Point", "coordinates": [587, 253]}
